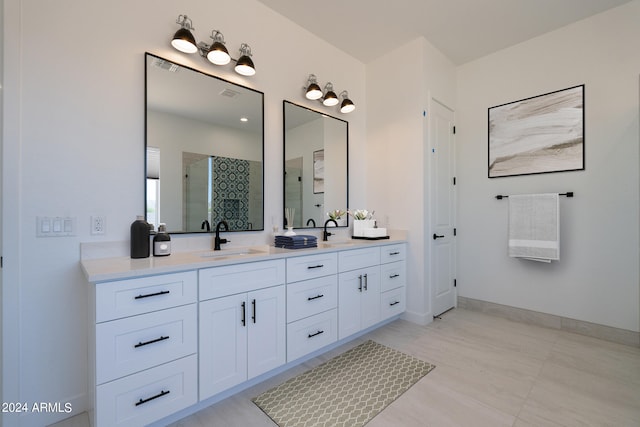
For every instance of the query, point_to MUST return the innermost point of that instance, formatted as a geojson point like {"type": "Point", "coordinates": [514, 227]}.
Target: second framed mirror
{"type": "Point", "coordinates": [316, 166]}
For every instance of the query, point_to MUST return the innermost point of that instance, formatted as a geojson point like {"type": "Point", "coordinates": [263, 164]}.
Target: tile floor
{"type": "Point", "coordinates": [489, 372]}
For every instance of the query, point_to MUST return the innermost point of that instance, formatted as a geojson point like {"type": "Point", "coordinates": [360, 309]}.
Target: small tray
{"type": "Point", "coordinates": [370, 238]}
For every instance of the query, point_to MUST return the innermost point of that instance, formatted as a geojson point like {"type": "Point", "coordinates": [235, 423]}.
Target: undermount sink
{"type": "Point", "coordinates": [331, 244]}
{"type": "Point", "coordinates": [231, 252]}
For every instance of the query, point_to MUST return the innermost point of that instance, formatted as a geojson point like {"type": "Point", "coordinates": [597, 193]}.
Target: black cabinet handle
{"type": "Point", "coordinates": [143, 401]}
{"type": "Point", "coordinates": [253, 316]}
{"type": "Point", "coordinates": [244, 314]}
{"type": "Point", "coordinates": [394, 303]}
{"type": "Point", "coordinates": [393, 276]}
{"type": "Point", "coordinates": [142, 344]}
{"type": "Point", "coordinates": [366, 283]}
{"type": "Point", "coordinates": [316, 334]}
{"type": "Point", "coordinates": [394, 253]}
{"type": "Point", "coordinates": [315, 266]}
{"type": "Point", "coordinates": [316, 297]}
{"type": "Point", "coordinates": [435, 236]}
{"type": "Point", "coordinates": [360, 283]}
{"type": "Point", "coordinates": [152, 295]}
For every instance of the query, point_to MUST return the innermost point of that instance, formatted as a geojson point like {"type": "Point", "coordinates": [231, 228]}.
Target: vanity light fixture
{"type": "Point", "coordinates": [313, 89]}
{"type": "Point", "coordinates": [183, 39]}
{"type": "Point", "coordinates": [330, 98]}
{"type": "Point", "coordinates": [216, 52]}
{"type": "Point", "coordinates": [327, 96]}
{"type": "Point", "coordinates": [347, 105]}
{"type": "Point", "coordinates": [245, 65]}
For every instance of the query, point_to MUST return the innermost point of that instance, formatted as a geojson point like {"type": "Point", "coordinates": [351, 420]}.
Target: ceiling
{"type": "Point", "coordinates": [463, 30]}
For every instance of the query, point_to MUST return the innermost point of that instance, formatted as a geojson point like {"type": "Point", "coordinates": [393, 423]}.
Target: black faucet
{"type": "Point", "coordinates": [325, 233]}
{"type": "Point", "coordinates": [312, 221]}
{"type": "Point", "coordinates": [206, 224]}
{"type": "Point", "coordinates": [218, 240]}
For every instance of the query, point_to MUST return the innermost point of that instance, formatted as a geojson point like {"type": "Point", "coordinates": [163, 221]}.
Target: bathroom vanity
{"type": "Point", "coordinates": [171, 333]}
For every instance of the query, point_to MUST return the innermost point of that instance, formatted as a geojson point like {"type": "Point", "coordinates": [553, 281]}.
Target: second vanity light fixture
{"type": "Point", "coordinates": [328, 96]}
{"type": "Point", "coordinates": [216, 52]}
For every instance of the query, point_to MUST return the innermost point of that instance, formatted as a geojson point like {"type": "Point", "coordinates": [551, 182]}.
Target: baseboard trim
{"type": "Point", "coordinates": [594, 330]}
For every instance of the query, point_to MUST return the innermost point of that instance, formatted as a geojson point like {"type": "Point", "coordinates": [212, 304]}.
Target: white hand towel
{"type": "Point", "coordinates": [534, 227]}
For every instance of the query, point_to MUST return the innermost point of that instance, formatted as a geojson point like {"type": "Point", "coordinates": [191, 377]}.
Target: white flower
{"type": "Point", "coordinates": [360, 214]}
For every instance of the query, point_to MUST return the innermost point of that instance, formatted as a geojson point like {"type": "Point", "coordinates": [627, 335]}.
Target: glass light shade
{"type": "Point", "coordinates": [184, 41]}
{"type": "Point", "coordinates": [313, 92]}
{"type": "Point", "coordinates": [330, 99]}
{"type": "Point", "coordinates": [245, 66]}
{"type": "Point", "coordinates": [218, 54]}
{"type": "Point", "coordinates": [347, 106]}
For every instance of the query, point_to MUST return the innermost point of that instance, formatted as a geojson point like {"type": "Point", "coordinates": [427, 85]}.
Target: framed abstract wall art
{"type": "Point", "coordinates": [541, 134]}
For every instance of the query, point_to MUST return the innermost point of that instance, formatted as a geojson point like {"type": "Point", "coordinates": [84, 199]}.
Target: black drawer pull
{"type": "Point", "coordinates": [360, 283]}
{"type": "Point", "coordinates": [143, 401]}
{"type": "Point", "coordinates": [253, 316]}
{"type": "Point", "coordinates": [152, 295]}
{"type": "Point", "coordinates": [394, 253]}
{"type": "Point", "coordinates": [315, 266]}
{"type": "Point", "coordinates": [316, 297]}
{"type": "Point", "coordinates": [393, 276]}
{"type": "Point", "coordinates": [394, 303]}
{"type": "Point", "coordinates": [142, 344]}
{"type": "Point", "coordinates": [316, 334]}
{"type": "Point", "coordinates": [366, 283]}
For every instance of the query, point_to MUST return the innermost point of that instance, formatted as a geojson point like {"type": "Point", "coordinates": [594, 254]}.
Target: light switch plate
{"type": "Point", "coordinates": [57, 226]}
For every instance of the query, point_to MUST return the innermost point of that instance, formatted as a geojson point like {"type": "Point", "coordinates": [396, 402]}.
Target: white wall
{"type": "Point", "coordinates": [596, 279]}
{"type": "Point", "coordinates": [396, 153]}
{"type": "Point", "coordinates": [74, 146]}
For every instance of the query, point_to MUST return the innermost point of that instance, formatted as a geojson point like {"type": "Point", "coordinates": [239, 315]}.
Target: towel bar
{"type": "Point", "coordinates": [568, 194]}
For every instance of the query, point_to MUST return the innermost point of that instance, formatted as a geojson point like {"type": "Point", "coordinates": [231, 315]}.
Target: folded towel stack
{"type": "Point", "coordinates": [299, 241]}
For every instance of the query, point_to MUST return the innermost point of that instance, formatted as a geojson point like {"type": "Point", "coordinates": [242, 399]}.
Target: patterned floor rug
{"type": "Point", "coordinates": [348, 390]}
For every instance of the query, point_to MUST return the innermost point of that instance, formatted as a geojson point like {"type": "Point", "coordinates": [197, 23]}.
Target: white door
{"type": "Point", "coordinates": [442, 204]}
{"type": "Point", "coordinates": [267, 347]}
{"type": "Point", "coordinates": [371, 297]}
{"type": "Point", "coordinates": [350, 288]}
{"type": "Point", "coordinates": [223, 343]}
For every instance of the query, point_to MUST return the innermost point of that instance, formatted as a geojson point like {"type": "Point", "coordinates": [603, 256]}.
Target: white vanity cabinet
{"type": "Point", "coordinates": [144, 348]}
{"type": "Point", "coordinates": [358, 290]}
{"type": "Point", "coordinates": [312, 300]}
{"type": "Point", "coordinates": [242, 323]}
{"type": "Point", "coordinates": [165, 337]}
{"type": "Point", "coordinates": [393, 277]}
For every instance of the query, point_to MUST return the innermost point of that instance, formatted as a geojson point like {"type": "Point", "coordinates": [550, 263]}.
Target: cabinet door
{"type": "Point", "coordinates": [370, 305]}
{"type": "Point", "coordinates": [350, 288]}
{"type": "Point", "coordinates": [267, 328]}
{"type": "Point", "coordinates": [358, 300]}
{"type": "Point", "coordinates": [223, 343]}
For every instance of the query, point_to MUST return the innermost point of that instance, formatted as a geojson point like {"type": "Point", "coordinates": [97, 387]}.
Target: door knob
{"type": "Point", "coordinates": [435, 236]}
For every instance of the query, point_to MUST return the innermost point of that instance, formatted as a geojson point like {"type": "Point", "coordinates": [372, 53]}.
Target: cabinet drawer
{"type": "Point", "coordinates": [234, 279]}
{"type": "Point", "coordinates": [122, 298]}
{"type": "Point", "coordinates": [148, 396]}
{"type": "Point", "coordinates": [358, 258]}
{"type": "Point", "coordinates": [311, 266]}
{"type": "Point", "coordinates": [393, 275]}
{"type": "Point", "coordinates": [391, 253]}
{"type": "Point", "coordinates": [311, 297]}
{"type": "Point", "coordinates": [393, 302]}
{"type": "Point", "coordinates": [135, 343]}
{"type": "Point", "coordinates": [310, 334]}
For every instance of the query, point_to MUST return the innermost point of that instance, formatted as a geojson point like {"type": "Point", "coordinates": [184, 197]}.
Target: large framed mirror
{"type": "Point", "coordinates": [204, 150]}
{"type": "Point", "coordinates": [316, 165]}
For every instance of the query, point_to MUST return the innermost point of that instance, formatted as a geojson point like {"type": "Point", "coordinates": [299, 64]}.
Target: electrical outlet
{"type": "Point", "coordinates": [98, 225]}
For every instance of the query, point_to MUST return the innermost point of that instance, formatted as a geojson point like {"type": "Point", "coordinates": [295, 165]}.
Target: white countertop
{"type": "Point", "coordinates": [118, 268]}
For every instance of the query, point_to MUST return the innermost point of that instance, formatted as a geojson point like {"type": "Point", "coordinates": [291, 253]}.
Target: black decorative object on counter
{"type": "Point", "coordinates": [140, 245]}
{"type": "Point", "coordinates": [162, 242]}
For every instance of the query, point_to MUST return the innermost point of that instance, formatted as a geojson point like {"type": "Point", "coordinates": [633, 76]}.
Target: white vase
{"type": "Point", "coordinates": [360, 224]}
{"type": "Point", "coordinates": [289, 232]}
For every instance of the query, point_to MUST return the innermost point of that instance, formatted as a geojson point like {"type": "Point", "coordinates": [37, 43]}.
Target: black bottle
{"type": "Point", "coordinates": [140, 244]}
{"type": "Point", "coordinates": [162, 242]}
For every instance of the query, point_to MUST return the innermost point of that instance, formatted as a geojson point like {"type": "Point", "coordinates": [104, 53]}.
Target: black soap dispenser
{"type": "Point", "coordinates": [140, 245]}
{"type": "Point", "coordinates": [162, 242]}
